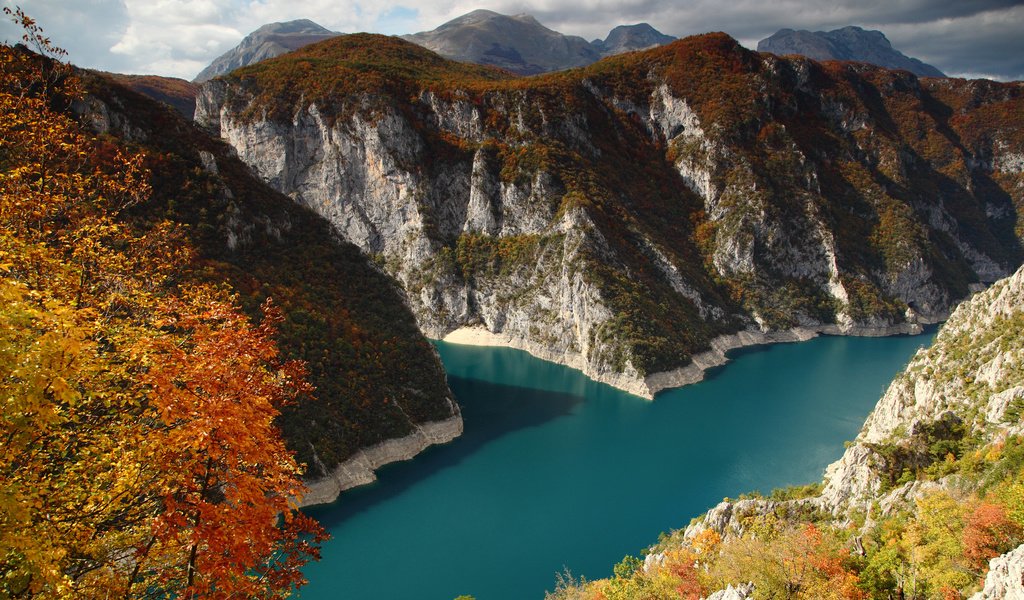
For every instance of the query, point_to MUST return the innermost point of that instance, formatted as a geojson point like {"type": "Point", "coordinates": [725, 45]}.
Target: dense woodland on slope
{"type": "Point", "coordinates": [691, 190]}
{"type": "Point", "coordinates": [374, 374]}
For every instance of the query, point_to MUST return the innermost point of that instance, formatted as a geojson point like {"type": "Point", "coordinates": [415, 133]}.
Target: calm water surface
{"type": "Point", "coordinates": [555, 471]}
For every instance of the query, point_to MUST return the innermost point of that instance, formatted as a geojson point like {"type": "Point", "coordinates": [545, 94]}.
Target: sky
{"type": "Point", "coordinates": [178, 38]}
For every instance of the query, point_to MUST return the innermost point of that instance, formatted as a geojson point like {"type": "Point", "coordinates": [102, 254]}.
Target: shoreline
{"type": "Point", "coordinates": [360, 468]}
{"type": "Point", "coordinates": [693, 372]}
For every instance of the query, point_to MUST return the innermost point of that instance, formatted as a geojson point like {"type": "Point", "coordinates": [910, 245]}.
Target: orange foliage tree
{"type": "Point", "coordinates": [123, 474]}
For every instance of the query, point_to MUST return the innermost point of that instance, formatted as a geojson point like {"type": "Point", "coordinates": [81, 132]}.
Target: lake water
{"type": "Point", "coordinates": [555, 471]}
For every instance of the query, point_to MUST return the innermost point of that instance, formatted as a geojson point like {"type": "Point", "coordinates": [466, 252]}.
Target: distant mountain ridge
{"type": "Point", "coordinates": [519, 43]}
{"type": "Point", "coordinates": [627, 38]}
{"type": "Point", "coordinates": [270, 40]}
{"type": "Point", "coordinates": [523, 45]}
{"type": "Point", "coordinates": [847, 43]}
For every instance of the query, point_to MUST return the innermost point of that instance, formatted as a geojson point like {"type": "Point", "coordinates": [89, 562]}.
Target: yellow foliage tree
{"type": "Point", "coordinates": [94, 462]}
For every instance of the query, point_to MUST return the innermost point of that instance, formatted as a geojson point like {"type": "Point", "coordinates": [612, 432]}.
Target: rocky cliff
{"type": "Point", "coordinates": [638, 217]}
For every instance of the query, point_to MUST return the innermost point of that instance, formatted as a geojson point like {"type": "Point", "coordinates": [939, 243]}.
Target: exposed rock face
{"type": "Point", "coordinates": [942, 380]}
{"type": "Point", "coordinates": [273, 39]}
{"type": "Point", "coordinates": [848, 43]}
{"type": "Point", "coordinates": [739, 592]}
{"type": "Point", "coordinates": [522, 45]}
{"type": "Point", "coordinates": [1005, 579]}
{"type": "Point", "coordinates": [637, 234]}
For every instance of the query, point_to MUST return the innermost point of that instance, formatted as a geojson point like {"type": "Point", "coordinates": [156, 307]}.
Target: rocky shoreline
{"type": "Point", "coordinates": [650, 385]}
{"type": "Point", "coordinates": [360, 468]}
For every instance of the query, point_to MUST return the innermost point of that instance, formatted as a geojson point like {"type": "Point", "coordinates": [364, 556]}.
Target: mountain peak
{"type": "Point", "coordinates": [270, 40]}
{"type": "Point", "coordinates": [847, 43]}
{"type": "Point", "coordinates": [626, 38]}
{"type": "Point", "coordinates": [296, 26]}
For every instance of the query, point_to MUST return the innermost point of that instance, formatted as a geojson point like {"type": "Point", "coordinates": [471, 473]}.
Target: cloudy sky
{"type": "Point", "coordinates": [971, 38]}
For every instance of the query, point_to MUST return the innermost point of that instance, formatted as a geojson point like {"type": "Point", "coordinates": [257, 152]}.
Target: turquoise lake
{"type": "Point", "coordinates": [555, 471]}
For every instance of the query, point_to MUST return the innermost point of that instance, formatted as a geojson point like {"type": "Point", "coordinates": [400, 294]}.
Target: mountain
{"type": "Point", "coordinates": [273, 39]}
{"type": "Point", "coordinates": [627, 38]}
{"type": "Point", "coordinates": [637, 218]}
{"type": "Point", "coordinates": [517, 43]}
{"type": "Point", "coordinates": [522, 45]}
{"type": "Point", "coordinates": [380, 386]}
{"type": "Point", "coordinates": [848, 43]}
{"type": "Point", "coordinates": [924, 503]}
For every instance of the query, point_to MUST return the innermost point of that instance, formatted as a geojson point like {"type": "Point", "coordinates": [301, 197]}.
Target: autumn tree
{"type": "Point", "coordinates": [121, 474]}
{"type": "Point", "coordinates": [788, 562]}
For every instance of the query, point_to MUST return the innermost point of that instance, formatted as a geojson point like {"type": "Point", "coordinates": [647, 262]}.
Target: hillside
{"type": "Point", "coordinates": [922, 504]}
{"type": "Point", "coordinates": [847, 43]}
{"type": "Point", "coordinates": [637, 217]}
{"type": "Point", "coordinates": [376, 377]}
{"type": "Point", "coordinates": [177, 93]}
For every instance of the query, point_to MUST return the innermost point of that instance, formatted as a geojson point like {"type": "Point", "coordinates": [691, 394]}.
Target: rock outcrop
{"type": "Point", "coordinates": [847, 43]}
{"type": "Point", "coordinates": [1005, 579]}
{"type": "Point", "coordinates": [969, 376]}
{"type": "Point", "coordinates": [963, 385]}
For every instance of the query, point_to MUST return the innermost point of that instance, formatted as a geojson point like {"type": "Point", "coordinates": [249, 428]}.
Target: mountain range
{"type": "Point", "coordinates": [848, 43]}
{"type": "Point", "coordinates": [522, 45]}
{"type": "Point", "coordinates": [517, 43]}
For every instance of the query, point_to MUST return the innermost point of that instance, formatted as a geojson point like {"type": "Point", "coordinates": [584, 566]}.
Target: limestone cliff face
{"type": "Point", "coordinates": [638, 231]}
{"type": "Point", "coordinates": [970, 374]}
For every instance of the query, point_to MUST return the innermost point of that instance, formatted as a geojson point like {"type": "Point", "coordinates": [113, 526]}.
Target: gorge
{"type": "Point", "coordinates": [202, 318]}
